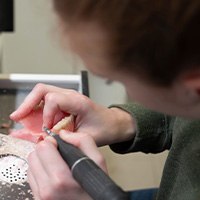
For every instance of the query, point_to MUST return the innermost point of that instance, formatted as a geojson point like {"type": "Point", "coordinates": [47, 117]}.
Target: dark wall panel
{"type": "Point", "coordinates": [6, 15]}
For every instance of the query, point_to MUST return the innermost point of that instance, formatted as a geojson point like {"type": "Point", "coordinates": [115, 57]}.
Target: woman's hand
{"type": "Point", "coordinates": [49, 176]}
{"type": "Point", "coordinates": [105, 125]}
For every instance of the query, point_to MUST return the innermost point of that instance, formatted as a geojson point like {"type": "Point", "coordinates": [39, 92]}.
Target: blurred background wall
{"type": "Point", "coordinates": [1, 51]}
{"type": "Point", "coordinates": [34, 47]}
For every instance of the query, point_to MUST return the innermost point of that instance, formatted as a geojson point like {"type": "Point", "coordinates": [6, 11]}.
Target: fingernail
{"type": "Point", "coordinates": [13, 113]}
{"type": "Point", "coordinates": [44, 127]}
{"type": "Point", "coordinates": [62, 132]}
{"type": "Point", "coordinates": [50, 139]}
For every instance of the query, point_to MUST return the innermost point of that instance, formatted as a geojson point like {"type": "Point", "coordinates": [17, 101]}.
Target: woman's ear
{"type": "Point", "coordinates": [191, 81]}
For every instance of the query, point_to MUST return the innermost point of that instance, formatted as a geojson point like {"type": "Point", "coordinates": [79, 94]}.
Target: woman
{"type": "Point", "coordinates": [153, 48]}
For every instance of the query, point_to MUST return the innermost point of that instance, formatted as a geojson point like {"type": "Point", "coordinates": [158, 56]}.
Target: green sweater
{"type": "Point", "coordinates": [158, 132]}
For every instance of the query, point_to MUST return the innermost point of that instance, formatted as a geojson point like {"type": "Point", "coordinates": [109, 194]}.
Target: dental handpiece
{"type": "Point", "coordinates": [89, 175]}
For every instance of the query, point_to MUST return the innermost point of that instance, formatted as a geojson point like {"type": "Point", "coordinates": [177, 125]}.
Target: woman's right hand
{"type": "Point", "coordinates": [105, 125]}
{"type": "Point", "coordinates": [50, 177]}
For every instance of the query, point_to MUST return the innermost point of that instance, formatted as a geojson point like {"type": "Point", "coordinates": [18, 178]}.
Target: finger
{"type": "Point", "coordinates": [32, 99]}
{"type": "Point", "coordinates": [58, 103]}
{"type": "Point", "coordinates": [87, 145]}
{"type": "Point", "coordinates": [55, 166]}
{"type": "Point", "coordinates": [70, 101]}
{"type": "Point", "coordinates": [52, 140]}
{"type": "Point", "coordinates": [51, 110]}
{"type": "Point", "coordinates": [37, 175]}
{"type": "Point", "coordinates": [57, 175]}
{"type": "Point", "coordinates": [33, 185]}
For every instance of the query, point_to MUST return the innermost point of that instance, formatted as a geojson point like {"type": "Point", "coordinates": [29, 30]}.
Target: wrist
{"type": "Point", "coordinates": [123, 125]}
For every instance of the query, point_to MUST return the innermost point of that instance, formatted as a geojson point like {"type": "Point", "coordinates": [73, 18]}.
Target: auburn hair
{"type": "Point", "coordinates": [158, 39]}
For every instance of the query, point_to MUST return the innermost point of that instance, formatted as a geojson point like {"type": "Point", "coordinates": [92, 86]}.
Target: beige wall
{"type": "Point", "coordinates": [1, 48]}
{"type": "Point", "coordinates": [34, 48]}
{"type": "Point", "coordinates": [135, 171]}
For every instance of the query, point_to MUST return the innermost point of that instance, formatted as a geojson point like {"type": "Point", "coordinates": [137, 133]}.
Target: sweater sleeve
{"type": "Point", "coordinates": [153, 134]}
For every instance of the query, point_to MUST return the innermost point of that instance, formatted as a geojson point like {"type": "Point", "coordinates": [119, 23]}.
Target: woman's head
{"type": "Point", "coordinates": [148, 45]}
{"type": "Point", "coordinates": [154, 38]}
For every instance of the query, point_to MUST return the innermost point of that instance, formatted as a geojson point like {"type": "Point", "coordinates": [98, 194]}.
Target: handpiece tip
{"type": "Point", "coordinates": [48, 131]}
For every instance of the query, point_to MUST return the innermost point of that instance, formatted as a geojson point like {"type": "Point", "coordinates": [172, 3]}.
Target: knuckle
{"type": "Point", "coordinates": [71, 92]}
{"type": "Point", "coordinates": [46, 193]}
{"type": "Point", "coordinates": [80, 140]}
{"type": "Point", "coordinates": [39, 86]}
{"type": "Point", "coordinates": [31, 156]}
{"type": "Point", "coordinates": [85, 104]}
{"type": "Point", "coordinates": [100, 160]}
{"type": "Point", "coordinates": [50, 97]}
{"type": "Point", "coordinates": [84, 137]}
{"type": "Point", "coordinates": [84, 99]}
{"type": "Point", "coordinates": [61, 183]}
{"type": "Point", "coordinates": [41, 146]}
